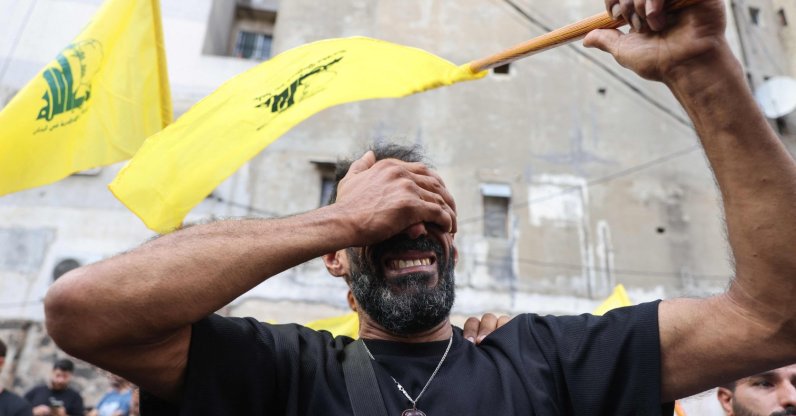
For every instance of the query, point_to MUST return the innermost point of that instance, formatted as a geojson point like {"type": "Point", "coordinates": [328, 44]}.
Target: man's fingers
{"type": "Point", "coordinates": [444, 190]}
{"type": "Point", "coordinates": [503, 320]}
{"type": "Point", "coordinates": [627, 8]}
{"type": "Point", "coordinates": [488, 325]}
{"type": "Point", "coordinates": [603, 39]}
{"type": "Point", "coordinates": [363, 163]}
{"type": "Point", "coordinates": [613, 8]}
{"type": "Point", "coordinates": [433, 183]}
{"type": "Point", "coordinates": [440, 213]}
{"type": "Point", "coordinates": [470, 330]}
{"type": "Point", "coordinates": [640, 15]}
{"type": "Point", "coordinates": [656, 18]}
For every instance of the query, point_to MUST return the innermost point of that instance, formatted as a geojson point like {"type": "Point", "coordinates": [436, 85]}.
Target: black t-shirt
{"type": "Point", "coordinates": [534, 365]}
{"type": "Point", "coordinates": [13, 405]}
{"type": "Point", "coordinates": [70, 399]}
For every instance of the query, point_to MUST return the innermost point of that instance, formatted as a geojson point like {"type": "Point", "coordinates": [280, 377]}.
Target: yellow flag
{"type": "Point", "coordinates": [617, 299]}
{"type": "Point", "coordinates": [176, 168]}
{"type": "Point", "coordinates": [347, 325]}
{"type": "Point", "coordinates": [94, 104]}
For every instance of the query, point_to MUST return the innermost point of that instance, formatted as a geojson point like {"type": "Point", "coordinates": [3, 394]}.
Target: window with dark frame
{"type": "Point", "coordinates": [497, 200]}
{"type": "Point", "coordinates": [783, 20]}
{"type": "Point", "coordinates": [252, 45]}
{"type": "Point", "coordinates": [782, 125]}
{"type": "Point", "coordinates": [496, 217]}
{"type": "Point", "coordinates": [504, 69]}
{"type": "Point", "coordinates": [754, 15]}
{"type": "Point", "coordinates": [241, 28]}
{"type": "Point", "coordinates": [252, 33]}
{"type": "Point", "coordinates": [326, 172]}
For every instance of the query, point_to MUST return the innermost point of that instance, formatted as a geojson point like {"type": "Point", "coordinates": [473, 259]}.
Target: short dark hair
{"type": "Point", "coordinates": [64, 365]}
{"type": "Point", "coordinates": [413, 153]}
{"type": "Point", "coordinates": [3, 349]}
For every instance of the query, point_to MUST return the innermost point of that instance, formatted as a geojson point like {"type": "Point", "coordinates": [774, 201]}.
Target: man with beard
{"type": "Point", "coordinates": [772, 393]}
{"type": "Point", "coordinates": [147, 314]}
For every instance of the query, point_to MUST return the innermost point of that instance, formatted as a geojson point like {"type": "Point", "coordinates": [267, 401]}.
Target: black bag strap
{"type": "Point", "coordinates": [360, 381]}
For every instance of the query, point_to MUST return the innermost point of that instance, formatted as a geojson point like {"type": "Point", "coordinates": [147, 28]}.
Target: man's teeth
{"type": "Point", "coordinates": [402, 264]}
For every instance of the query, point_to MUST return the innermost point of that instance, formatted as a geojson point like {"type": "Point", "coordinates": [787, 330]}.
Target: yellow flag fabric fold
{"type": "Point", "coordinates": [617, 299]}
{"type": "Point", "coordinates": [175, 169]}
{"type": "Point", "coordinates": [346, 325]}
{"type": "Point", "coordinates": [94, 104]}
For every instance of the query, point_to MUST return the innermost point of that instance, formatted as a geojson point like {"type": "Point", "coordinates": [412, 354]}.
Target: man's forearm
{"type": "Point", "coordinates": [757, 178]}
{"type": "Point", "coordinates": [179, 278]}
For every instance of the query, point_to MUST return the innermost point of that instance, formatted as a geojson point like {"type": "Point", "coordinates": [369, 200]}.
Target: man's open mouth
{"type": "Point", "coordinates": [409, 262]}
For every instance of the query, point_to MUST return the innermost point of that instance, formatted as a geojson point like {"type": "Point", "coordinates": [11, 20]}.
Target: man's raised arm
{"type": "Point", "coordinates": [132, 314]}
{"type": "Point", "coordinates": [752, 327]}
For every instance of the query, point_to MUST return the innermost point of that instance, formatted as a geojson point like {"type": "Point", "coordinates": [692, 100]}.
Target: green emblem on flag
{"type": "Point", "coordinates": [69, 78]}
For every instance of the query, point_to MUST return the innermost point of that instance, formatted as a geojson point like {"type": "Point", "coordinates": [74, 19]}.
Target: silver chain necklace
{"type": "Point", "coordinates": [414, 411]}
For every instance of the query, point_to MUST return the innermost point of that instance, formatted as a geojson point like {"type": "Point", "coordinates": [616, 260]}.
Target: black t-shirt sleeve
{"type": "Point", "coordinates": [606, 365]}
{"type": "Point", "coordinates": [73, 402]}
{"type": "Point", "coordinates": [230, 363]}
{"type": "Point", "coordinates": [23, 409]}
{"type": "Point", "coordinates": [30, 396]}
{"type": "Point", "coordinates": [239, 366]}
{"type": "Point", "coordinates": [13, 405]}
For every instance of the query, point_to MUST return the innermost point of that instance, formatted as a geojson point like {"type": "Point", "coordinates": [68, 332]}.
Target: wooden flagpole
{"type": "Point", "coordinates": [560, 37]}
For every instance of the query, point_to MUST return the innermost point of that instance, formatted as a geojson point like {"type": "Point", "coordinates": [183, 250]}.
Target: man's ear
{"type": "Point", "coordinates": [725, 396]}
{"type": "Point", "coordinates": [336, 263]}
{"type": "Point", "coordinates": [352, 302]}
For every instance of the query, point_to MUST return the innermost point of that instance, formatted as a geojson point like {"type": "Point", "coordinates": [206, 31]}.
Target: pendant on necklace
{"type": "Point", "coordinates": [412, 412]}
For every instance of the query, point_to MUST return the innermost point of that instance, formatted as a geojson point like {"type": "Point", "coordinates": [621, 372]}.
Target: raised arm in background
{"type": "Point", "coordinates": [752, 327]}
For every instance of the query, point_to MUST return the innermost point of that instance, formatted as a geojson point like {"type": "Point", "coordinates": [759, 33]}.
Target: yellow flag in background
{"type": "Point", "coordinates": [176, 168]}
{"type": "Point", "coordinates": [346, 325]}
{"type": "Point", "coordinates": [94, 104]}
{"type": "Point", "coordinates": [617, 299]}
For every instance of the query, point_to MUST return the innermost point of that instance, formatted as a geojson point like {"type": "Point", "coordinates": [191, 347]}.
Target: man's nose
{"type": "Point", "coordinates": [786, 394]}
{"type": "Point", "coordinates": [416, 231]}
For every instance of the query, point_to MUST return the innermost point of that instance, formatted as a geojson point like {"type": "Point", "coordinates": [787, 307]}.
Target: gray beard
{"type": "Point", "coordinates": [406, 305]}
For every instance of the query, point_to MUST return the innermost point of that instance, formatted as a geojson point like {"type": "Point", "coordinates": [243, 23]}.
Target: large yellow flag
{"type": "Point", "coordinates": [94, 104]}
{"type": "Point", "coordinates": [176, 168]}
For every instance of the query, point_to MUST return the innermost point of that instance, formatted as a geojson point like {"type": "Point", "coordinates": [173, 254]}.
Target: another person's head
{"type": "Point", "coordinates": [117, 382]}
{"type": "Point", "coordinates": [406, 283]}
{"type": "Point", "coordinates": [61, 374]}
{"type": "Point", "coordinates": [772, 393]}
{"type": "Point", "coordinates": [135, 400]}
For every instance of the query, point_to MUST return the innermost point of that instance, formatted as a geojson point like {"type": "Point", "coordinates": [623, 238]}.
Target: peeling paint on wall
{"type": "Point", "coordinates": [561, 201]}
{"type": "Point", "coordinates": [557, 200]}
{"type": "Point", "coordinates": [604, 253]}
{"type": "Point", "coordinates": [24, 249]}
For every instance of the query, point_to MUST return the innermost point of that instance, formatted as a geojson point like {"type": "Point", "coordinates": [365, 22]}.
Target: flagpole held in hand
{"type": "Point", "coordinates": [558, 37]}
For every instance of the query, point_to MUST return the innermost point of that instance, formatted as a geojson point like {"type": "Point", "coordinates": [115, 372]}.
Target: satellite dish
{"type": "Point", "coordinates": [777, 96]}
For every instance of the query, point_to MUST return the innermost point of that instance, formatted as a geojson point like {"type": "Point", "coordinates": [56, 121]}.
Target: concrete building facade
{"type": "Point", "coordinates": [571, 174]}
